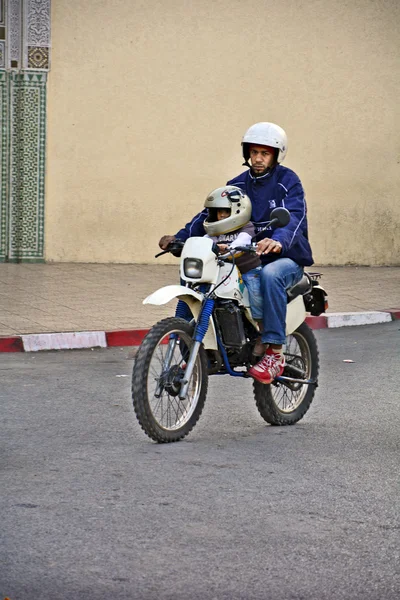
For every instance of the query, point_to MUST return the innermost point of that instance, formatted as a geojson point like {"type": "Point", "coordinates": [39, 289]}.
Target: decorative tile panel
{"type": "Point", "coordinates": [14, 31]}
{"type": "Point", "coordinates": [38, 58]}
{"type": "Point", "coordinates": [38, 22]}
{"type": "Point", "coordinates": [37, 34]}
{"type": "Point", "coordinates": [2, 55]}
{"type": "Point", "coordinates": [28, 138]}
{"type": "Point", "coordinates": [24, 61]}
{"type": "Point", "coordinates": [3, 164]}
{"type": "Point", "coordinates": [28, 38]}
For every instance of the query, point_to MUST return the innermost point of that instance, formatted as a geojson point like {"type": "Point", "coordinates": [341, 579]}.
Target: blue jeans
{"type": "Point", "coordinates": [252, 281]}
{"type": "Point", "coordinates": [276, 278]}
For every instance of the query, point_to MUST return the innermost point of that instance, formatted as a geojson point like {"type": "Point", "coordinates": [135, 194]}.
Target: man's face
{"type": "Point", "coordinates": [261, 158]}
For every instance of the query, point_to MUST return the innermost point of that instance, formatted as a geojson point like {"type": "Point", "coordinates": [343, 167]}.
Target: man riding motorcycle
{"type": "Point", "coordinates": [284, 251]}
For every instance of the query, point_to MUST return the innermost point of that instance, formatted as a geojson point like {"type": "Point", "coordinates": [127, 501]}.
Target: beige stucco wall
{"type": "Point", "coordinates": [148, 101]}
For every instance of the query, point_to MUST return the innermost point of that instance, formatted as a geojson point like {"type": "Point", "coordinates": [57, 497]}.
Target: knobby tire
{"type": "Point", "coordinates": [266, 396]}
{"type": "Point", "coordinates": [144, 374]}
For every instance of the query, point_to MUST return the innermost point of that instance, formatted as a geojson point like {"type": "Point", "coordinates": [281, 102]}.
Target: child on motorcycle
{"type": "Point", "coordinates": [228, 225]}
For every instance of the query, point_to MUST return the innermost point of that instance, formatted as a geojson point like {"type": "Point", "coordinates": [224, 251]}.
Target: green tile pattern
{"type": "Point", "coordinates": [2, 55]}
{"type": "Point", "coordinates": [27, 169]}
{"type": "Point", "coordinates": [3, 163]}
{"type": "Point", "coordinates": [25, 42]}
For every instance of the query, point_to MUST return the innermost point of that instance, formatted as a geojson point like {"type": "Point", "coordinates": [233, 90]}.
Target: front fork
{"type": "Point", "coordinates": [166, 365]}
{"type": "Point", "coordinates": [201, 327]}
{"type": "Point", "coordinates": [189, 370]}
{"type": "Point", "coordinates": [198, 336]}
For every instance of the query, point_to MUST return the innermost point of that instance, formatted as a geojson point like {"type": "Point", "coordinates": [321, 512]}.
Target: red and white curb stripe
{"type": "Point", "coordinates": [34, 342]}
{"type": "Point", "coordinates": [345, 319]}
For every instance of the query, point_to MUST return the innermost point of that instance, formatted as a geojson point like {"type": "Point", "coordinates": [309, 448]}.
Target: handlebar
{"type": "Point", "coordinates": [251, 249]}
{"type": "Point", "coordinates": [174, 247]}
{"type": "Point", "coordinates": [280, 218]}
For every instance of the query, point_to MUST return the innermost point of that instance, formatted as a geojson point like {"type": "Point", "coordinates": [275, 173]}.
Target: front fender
{"type": "Point", "coordinates": [192, 299]}
{"type": "Point", "coordinates": [169, 292]}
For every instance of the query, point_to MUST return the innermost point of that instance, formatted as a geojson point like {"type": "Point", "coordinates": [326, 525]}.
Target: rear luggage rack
{"type": "Point", "coordinates": [314, 275]}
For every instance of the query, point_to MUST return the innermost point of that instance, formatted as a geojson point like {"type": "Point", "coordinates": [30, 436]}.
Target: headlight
{"type": "Point", "coordinates": [193, 268]}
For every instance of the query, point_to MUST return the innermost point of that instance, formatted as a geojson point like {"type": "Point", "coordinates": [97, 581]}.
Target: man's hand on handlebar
{"type": "Point", "coordinates": [267, 245]}
{"type": "Point", "coordinates": [165, 241]}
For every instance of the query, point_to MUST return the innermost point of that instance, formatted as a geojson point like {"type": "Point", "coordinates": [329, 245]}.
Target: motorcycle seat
{"type": "Point", "coordinates": [304, 286]}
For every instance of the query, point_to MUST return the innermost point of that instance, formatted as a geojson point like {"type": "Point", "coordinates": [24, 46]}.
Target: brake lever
{"type": "Point", "coordinates": [161, 253]}
{"type": "Point", "coordinates": [226, 255]}
{"type": "Point", "coordinates": [252, 248]}
{"type": "Point", "coordinates": [175, 246]}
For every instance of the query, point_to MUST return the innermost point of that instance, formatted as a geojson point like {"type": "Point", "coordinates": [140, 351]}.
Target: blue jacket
{"type": "Point", "coordinates": [279, 187]}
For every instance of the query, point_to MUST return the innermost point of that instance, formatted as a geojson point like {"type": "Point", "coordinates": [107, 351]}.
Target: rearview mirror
{"type": "Point", "coordinates": [280, 217]}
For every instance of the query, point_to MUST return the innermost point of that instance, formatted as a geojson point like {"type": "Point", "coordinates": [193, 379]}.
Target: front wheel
{"type": "Point", "coordinates": [285, 404]}
{"type": "Point", "coordinates": [156, 379]}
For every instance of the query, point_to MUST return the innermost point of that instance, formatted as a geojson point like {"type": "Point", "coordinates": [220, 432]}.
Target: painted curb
{"type": "Point", "coordinates": [35, 342]}
{"type": "Point", "coordinates": [64, 341]}
{"type": "Point", "coordinates": [350, 319]}
{"type": "Point", "coordinates": [320, 322]}
{"type": "Point", "coordinates": [131, 337]}
{"type": "Point", "coordinates": [11, 344]}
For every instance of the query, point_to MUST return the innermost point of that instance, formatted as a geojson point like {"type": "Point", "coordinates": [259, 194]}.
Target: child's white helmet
{"type": "Point", "coordinates": [265, 134]}
{"type": "Point", "coordinates": [230, 197]}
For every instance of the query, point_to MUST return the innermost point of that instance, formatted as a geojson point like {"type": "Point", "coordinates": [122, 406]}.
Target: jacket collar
{"type": "Point", "coordinates": [264, 177]}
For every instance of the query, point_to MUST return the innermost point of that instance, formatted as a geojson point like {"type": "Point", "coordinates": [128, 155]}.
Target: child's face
{"type": "Point", "coordinates": [223, 213]}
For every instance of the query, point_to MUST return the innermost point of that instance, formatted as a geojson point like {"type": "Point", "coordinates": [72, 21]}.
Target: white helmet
{"type": "Point", "coordinates": [230, 197]}
{"type": "Point", "coordinates": [265, 134]}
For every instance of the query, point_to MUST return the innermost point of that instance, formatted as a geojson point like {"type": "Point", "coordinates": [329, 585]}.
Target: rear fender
{"type": "Point", "coordinates": [192, 299]}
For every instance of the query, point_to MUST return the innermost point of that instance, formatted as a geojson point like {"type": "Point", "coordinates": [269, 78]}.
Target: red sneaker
{"type": "Point", "coordinates": [268, 368]}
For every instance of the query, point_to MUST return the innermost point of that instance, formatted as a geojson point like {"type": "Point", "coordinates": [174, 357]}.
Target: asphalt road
{"type": "Point", "coordinates": [93, 509]}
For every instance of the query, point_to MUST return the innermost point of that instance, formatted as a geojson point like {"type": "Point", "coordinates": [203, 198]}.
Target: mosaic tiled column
{"type": "Point", "coordinates": [4, 157]}
{"type": "Point", "coordinates": [27, 168]}
{"type": "Point", "coordinates": [24, 62]}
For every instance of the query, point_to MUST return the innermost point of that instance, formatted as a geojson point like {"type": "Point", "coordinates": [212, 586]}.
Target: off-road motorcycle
{"type": "Point", "coordinates": [213, 333]}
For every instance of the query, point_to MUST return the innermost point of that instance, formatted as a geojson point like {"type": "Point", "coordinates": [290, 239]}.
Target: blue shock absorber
{"type": "Point", "coordinates": [183, 311]}
{"type": "Point", "coordinates": [204, 319]}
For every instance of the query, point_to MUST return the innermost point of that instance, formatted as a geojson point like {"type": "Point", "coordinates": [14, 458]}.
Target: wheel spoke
{"type": "Point", "coordinates": [286, 402]}
{"type": "Point", "coordinates": [159, 403]}
{"type": "Point", "coordinates": [288, 397]}
{"type": "Point", "coordinates": [168, 411]}
{"type": "Point", "coordinates": [157, 377]}
{"type": "Point", "coordinates": [166, 368]}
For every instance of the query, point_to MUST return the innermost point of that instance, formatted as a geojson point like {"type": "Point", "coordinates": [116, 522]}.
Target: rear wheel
{"type": "Point", "coordinates": [285, 404]}
{"type": "Point", "coordinates": [157, 374]}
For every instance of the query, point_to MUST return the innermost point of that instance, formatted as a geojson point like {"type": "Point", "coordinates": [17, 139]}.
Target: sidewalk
{"type": "Point", "coordinates": [107, 298]}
